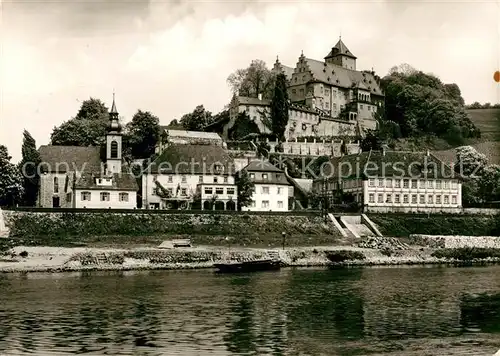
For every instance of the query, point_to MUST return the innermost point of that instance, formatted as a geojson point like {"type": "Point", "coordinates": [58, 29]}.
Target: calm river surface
{"type": "Point", "coordinates": [362, 311]}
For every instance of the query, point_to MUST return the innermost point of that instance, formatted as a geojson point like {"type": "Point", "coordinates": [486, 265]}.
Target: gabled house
{"type": "Point", "coordinates": [190, 176]}
{"type": "Point", "coordinates": [272, 190]}
{"type": "Point", "coordinates": [86, 177]}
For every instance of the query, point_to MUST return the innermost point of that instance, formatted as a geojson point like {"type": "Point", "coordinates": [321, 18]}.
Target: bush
{"type": "Point", "coordinates": [467, 253]}
{"type": "Point", "coordinates": [344, 255]}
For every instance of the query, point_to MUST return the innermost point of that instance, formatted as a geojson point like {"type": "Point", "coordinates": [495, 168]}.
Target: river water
{"type": "Point", "coordinates": [359, 311]}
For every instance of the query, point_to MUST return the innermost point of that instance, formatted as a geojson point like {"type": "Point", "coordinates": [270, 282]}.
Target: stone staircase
{"type": "Point", "coordinates": [354, 226]}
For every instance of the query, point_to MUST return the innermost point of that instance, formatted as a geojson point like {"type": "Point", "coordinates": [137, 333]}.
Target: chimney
{"type": "Point", "coordinates": [428, 153]}
{"type": "Point", "coordinates": [260, 96]}
{"type": "Point", "coordinates": [313, 105]}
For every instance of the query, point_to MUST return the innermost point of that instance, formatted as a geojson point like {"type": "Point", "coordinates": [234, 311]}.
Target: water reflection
{"type": "Point", "coordinates": [302, 311]}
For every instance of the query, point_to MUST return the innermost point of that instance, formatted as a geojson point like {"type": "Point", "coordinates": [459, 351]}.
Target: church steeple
{"type": "Point", "coordinates": [114, 141]}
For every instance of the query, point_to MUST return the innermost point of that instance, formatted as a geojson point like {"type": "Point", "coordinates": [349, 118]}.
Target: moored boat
{"type": "Point", "coordinates": [248, 266]}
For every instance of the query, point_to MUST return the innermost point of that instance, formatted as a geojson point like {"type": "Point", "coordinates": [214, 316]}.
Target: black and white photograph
{"type": "Point", "coordinates": [236, 178]}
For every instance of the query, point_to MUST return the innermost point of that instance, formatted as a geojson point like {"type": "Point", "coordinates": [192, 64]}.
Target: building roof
{"type": "Point", "coordinates": [340, 49]}
{"type": "Point", "coordinates": [192, 134]}
{"type": "Point", "coordinates": [342, 77]}
{"type": "Point", "coordinates": [261, 165]}
{"type": "Point", "coordinates": [192, 159]}
{"type": "Point", "coordinates": [120, 181]}
{"type": "Point", "coordinates": [62, 159]}
{"type": "Point", "coordinates": [387, 164]}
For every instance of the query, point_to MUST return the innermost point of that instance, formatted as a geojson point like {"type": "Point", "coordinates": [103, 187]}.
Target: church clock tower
{"type": "Point", "coordinates": [114, 142]}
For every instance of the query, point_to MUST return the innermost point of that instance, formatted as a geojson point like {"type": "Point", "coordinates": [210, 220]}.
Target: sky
{"type": "Point", "coordinates": [169, 56]}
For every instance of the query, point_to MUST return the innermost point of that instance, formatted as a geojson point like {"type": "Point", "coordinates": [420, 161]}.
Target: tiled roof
{"type": "Point", "coordinates": [261, 165]}
{"type": "Point", "coordinates": [340, 49]}
{"type": "Point", "coordinates": [342, 77]}
{"type": "Point", "coordinates": [121, 181]}
{"type": "Point", "coordinates": [288, 71]}
{"type": "Point", "coordinates": [192, 134]}
{"type": "Point", "coordinates": [390, 164]}
{"type": "Point", "coordinates": [69, 158]}
{"type": "Point", "coordinates": [192, 159]}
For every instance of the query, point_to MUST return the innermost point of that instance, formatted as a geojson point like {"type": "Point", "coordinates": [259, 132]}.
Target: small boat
{"type": "Point", "coordinates": [248, 266]}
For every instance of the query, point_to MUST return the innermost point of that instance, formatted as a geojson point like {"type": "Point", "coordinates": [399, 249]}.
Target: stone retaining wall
{"type": "Point", "coordinates": [442, 241]}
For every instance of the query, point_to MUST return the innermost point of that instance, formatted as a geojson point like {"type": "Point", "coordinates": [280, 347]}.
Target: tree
{"type": "Point", "coordinates": [197, 120]}
{"type": "Point", "coordinates": [176, 125]}
{"type": "Point", "coordinates": [279, 107]}
{"type": "Point", "coordinates": [28, 169]}
{"type": "Point", "coordinates": [489, 183]}
{"type": "Point", "coordinates": [469, 161]}
{"type": "Point", "coordinates": [245, 187]}
{"type": "Point", "coordinates": [11, 182]}
{"type": "Point", "coordinates": [371, 141]}
{"type": "Point", "coordinates": [87, 128]}
{"type": "Point", "coordinates": [252, 81]}
{"type": "Point", "coordinates": [143, 133]}
{"type": "Point", "coordinates": [243, 126]}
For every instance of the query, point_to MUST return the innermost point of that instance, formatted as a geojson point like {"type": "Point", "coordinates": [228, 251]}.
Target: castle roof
{"type": "Point", "coordinates": [62, 159]}
{"type": "Point", "coordinates": [340, 49]}
{"type": "Point", "coordinates": [342, 77]}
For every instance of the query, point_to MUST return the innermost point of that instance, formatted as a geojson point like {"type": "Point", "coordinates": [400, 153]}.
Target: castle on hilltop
{"type": "Point", "coordinates": [329, 98]}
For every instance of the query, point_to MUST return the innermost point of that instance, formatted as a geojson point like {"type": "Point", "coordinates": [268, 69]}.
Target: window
{"type": "Point", "coordinates": [225, 179]}
{"type": "Point", "coordinates": [219, 190]}
{"type": "Point", "coordinates": [170, 179]}
{"type": "Point", "coordinates": [388, 183]}
{"type": "Point", "coordinates": [170, 191]}
{"type": "Point", "coordinates": [294, 91]}
{"type": "Point", "coordinates": [371, 182]}
{"type": "Point", "coordinates": [252, 175]}
{"type": "Point", "coordinates": [430, 184]}
{"type": "Point", "coordinates": [447, 199]}
{"type": "Point", "coordinates": [200, 179]}
{"type": "Point", "coordinates": [388, 198]}
{"type": "Point", "coordinates": [104, 196]}
{"type": "Point", "coordinates": [183, 179]}
{"type": "Point", "coordinates": [397, 199]}
{"type": "Point", "coordinates": [372, 198]}
{"type": "Point", "coordinates": [279, 190]}
{"type": "Point", "coordinates": [123, 196]}
{"type": "Point", "coordinates": [406, 183]}
{"type": "Point", "coordinates": [380, 182]}
{"type": "Point", "coordinates": [414, 198]}
{"type": "Point", "coordinates": [430, 199]}
{"type": "Point", "coordinates": [405, 199]}
{"type": "Point", "coordinates": [85, 196]}
{"type": "Point", "coordinates": [454, 185]}
{"type": "Point", "coordinates": [446, 184]}
{"type": "Point", "coordinates": [265, 203]}
{"type": "Point", "coordinates": [280, 204]}
{"type": "Point", "coordinates": [361, 106]}
{"type": "Point", "coordinates": [56, 185]}
{"type": "Point", "coordinates": [215, 179]}
{"type": "Point", "coordinates": [264, 175]}
{"type": "Point", "coordinates": [422, 199]}
{"type": "Point", "coordinates": [208, 191]}
{"type": "Point", "coordinates": [438, 184]}
{"type": "Point", "coordinates": [230, 191]}
{"type": "Point", "coordinates": [265, 190]}
{"type": "Point", "coordinates": [397, 183]}
{"type": "Point", "coordinates": [183, 192]}
{"type": "Point", "coordinates": [413, 184]}
{"type": "Point", "coordinates": [454, 199]}
{"type": "Point", "coordinates": [438, 199]}
{"type": "Point", "coordinates": [68, 197]}
{"type": "Point", "coordinates": [380, 198]}
{"type": "Point", "coordinates": [252, 204]}
{"type": "Point", "coordinates": [114, 149]}
{"type": "Point", "coordinates": [421, 183]}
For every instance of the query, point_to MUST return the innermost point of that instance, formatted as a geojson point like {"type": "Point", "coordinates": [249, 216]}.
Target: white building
{"type": "Point", "coordinates": [272, 189]}
{"type": "Point", "coordinates": [393, 182]}
{"type": "Point", "coordinates": [185, 175]}
{"type": "Point", "coordinates": [75, 177]}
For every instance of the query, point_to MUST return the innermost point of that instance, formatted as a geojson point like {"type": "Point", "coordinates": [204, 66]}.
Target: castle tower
{"type": "Point", "coordinates": [114, 142]}
{"type": "Point", "coordinates": [341, 56]}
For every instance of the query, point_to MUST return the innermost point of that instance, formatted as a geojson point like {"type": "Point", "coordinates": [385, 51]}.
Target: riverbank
{"type": "Point", "coordinates": [62, 259]}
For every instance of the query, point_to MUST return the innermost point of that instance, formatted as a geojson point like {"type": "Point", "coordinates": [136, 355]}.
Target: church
{"type": "Point", "coordinates": [88, 177]}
